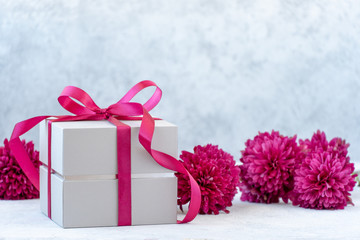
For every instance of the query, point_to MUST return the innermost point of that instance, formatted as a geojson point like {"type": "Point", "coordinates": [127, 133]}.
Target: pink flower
{"type": "Point", "coordinates": [318, 143]}
{"type": "Point", "coordinates": [324, 178]}
{"type": "Point", "coordinates": [215, 172]}
{"type": "Point", "coordinates": [13, 183]}
{"type": "Point", "coordinates": [268, 165]}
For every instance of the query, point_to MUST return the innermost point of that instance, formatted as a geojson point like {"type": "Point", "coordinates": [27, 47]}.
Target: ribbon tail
{"type": "Point", "coordinates": [22, 157]}
{"type": "Point", "coordinates": [194, 205]}
{"type": "Point", "coordinates": [17, 148]}
{"type": "Point", "coordinates": [145, 137]}
{"type": "Point", "coordinates": [172, 163]}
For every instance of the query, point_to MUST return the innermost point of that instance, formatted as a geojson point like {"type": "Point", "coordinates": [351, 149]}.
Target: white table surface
{"type": "Point", "coordinates": [23, 220]}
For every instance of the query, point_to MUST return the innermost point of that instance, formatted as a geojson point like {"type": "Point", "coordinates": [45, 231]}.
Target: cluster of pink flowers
{"type": "Point", "coordinates": [13, 182]}
{"type": "Point", "coordinates": [312, 174]}
{"type": "Point", "coordinates": [217, 175]}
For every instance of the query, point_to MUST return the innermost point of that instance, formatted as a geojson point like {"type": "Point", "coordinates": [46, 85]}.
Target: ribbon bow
{"type": "Point", "coordinates": [123, 109]}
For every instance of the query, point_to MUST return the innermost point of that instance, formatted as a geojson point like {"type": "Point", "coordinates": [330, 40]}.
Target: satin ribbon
{"type": "Point", "coordinates": [123, 109]}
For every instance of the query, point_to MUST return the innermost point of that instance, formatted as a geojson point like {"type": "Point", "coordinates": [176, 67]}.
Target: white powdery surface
{"type": "Point", "coordinates": [23, 220]}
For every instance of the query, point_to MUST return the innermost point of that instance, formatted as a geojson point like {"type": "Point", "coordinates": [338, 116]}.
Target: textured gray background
{"type": "Point", "coordinates": [228, 69]}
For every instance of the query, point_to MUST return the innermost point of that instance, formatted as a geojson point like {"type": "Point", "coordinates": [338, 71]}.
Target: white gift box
{"type": "Point", "coordinates": [84, 187]}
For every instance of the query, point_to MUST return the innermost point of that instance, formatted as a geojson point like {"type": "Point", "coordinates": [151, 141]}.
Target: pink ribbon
{"type": "Point", "coordinates": [123, 109]}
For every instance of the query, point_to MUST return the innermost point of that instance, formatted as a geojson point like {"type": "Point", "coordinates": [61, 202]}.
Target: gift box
{"type": "Point", "coordinates": [84, 174]}
{"type": "Point", "coordinates": [108, 166]}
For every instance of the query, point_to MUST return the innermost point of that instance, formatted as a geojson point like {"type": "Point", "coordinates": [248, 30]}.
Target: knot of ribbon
{"type": "Point", "coordinates": [103, 112]}
{"type": "Point", "coordinates": [70, 98]}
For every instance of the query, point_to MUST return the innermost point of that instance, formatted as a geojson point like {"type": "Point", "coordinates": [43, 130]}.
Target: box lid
{"type": "Point", "coordinates": [89, 147]}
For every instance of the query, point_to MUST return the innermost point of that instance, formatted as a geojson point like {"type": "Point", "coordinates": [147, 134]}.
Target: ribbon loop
{"type": "Point", "coordinates": [66, 101]}
{"type": "Point", "coordinates": [154, 99]}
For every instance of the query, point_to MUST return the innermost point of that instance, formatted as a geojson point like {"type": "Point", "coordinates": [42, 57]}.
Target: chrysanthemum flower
{"type": "Point", "coordinates": [324, 178]}
{"type": "Point", "coordinates": [268, 165]}
{"type": "Point", "coordinates": [13, 183]}
{"type": "Point", "coordinates": [215, 172]}
{"type": "Point", "coordinates": [318, 143]}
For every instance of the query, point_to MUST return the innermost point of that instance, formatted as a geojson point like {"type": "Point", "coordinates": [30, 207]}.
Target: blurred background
{"type": "Point", "coordinates": [228, 69]}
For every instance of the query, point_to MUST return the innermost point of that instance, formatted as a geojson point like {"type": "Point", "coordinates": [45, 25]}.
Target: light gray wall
{"type": "Point", "coordinates": [228, 69]}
